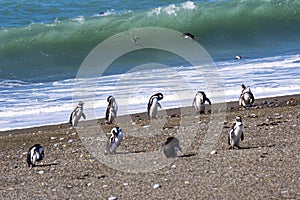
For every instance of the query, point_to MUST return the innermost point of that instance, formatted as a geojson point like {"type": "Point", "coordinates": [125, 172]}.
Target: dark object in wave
{"type": "Point", "coordinates": [189, 35]}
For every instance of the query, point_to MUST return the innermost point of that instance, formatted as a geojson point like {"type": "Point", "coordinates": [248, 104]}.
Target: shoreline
{"type": "Point", "coordinates": [231, 105]}
{"type": "Point", "coordinates": [266, 167]}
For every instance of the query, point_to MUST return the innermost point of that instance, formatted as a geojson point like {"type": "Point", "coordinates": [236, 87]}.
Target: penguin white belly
{"type": "Point", "coordinates": [245, 100]}
{"type": "Point", "coordinates": [111, 116]}
{"type": "Point", "coordinates": [199, 104]}
{"type": "Point", "coordinates": [237, 136]}
{"type": "Point", "coordinates": [153, 109]}
{"type": "Point", "coordinates": [242, 102]}
{"type": "Point", "coordinates": [117, 142]}
{"type": "Point", "coordinates": [34, 156]}
{"type": "Point", "coordinates": [77, 117]}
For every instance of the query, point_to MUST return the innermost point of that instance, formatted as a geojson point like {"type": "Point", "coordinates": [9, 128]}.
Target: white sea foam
{"type": "Point", "coordinates": [26, 105]}
{"type": "Point", "coordinates": [172, 9]}
{"type": "Point", "coordinates": [80, 19]}
{"type": "Point", "coordinates": [189, 5]}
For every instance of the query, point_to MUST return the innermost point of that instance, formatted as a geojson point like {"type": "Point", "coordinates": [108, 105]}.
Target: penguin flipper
{"type": "Point", "coordinates": [242, 136]}
{"type": "Point", "coordinates": [159, 105]}
{"type": "Point", "coordinates": [207, 99]}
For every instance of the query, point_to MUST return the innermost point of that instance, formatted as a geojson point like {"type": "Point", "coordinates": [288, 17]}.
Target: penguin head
{"type": "Point", "coordinates": [115, 131]}
{"type": "Point", "coordinates": [201, 93]}
{"type": "Point", "coordinates": [110, 99]}
{"type": "Point", "coordinates": [238, 120]}
{"type": "Point", "coordinates": [159, 96]}
{"type": "Point", "coordinates": [80, 104]}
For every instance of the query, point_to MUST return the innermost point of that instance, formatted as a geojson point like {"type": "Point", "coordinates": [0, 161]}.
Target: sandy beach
{"type": "Point", "coordinates": [266, 167]}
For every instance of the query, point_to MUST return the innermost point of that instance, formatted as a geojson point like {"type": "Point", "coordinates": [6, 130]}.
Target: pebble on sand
{"type": "Point", "coordinates": [213, 152]}
{"type": "Point", "coordinates": [88, 184]}
{"type": "Point", "coordinates": [112, 198]}
{"type": "Point", "coordinates": [253, 115]}
{"type": "Point", "coordinates": [155, 186]}
{"type": "Point", "coordinates": [70, 140]}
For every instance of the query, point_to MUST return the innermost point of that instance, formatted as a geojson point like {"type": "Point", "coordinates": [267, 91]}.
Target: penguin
{"type": "Point", "coordinates": [199, 101]}
{"type": "Point", "coordinates": [76, 114]}
{"type": "Point", "coordinates": [238, 57]}
{"type": "Point", "coordinates": [171, 147]}
{"type": "Point", "coordinates": [236, 134]}
{"type": "Point", "coordinates": [114, 140]}
{"type": "Point", "coordinates": [111, 110]}
{"type": "Point", "coordinates": [35, 154]}
{"type": "Point", "coordinates": [189, 35]}
{"type": "Point", "coordinates": [246, 98]}
{"type": "Point", "coordinates": [153, 104]}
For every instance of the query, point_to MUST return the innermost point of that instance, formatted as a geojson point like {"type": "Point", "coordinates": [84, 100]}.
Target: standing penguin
{"type": "Point", "coordinates": [76, 114]}
{"type": "Point", "coordinates": [199, 101]}
{"type": "Point", "coordinates": [111, 110]}
{"type": "Point", "coordinates": [171, 147]}
{"type": "Point", "coordinates": [246, 97]}
{"type": "Point", "coordinates": [35, 154]}
{"type": "Point", "coordinates": [236, 133]}
{"type": "Point", "coordinates": [153, 104]}
{"type": "Point", "coordinates": [114, 140]}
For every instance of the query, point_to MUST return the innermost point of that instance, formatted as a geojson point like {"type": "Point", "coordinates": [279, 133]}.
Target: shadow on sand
{"type": "Point", "coordinates": [256, 147]}
{"type": "Point", "coordinates": [46, 165]}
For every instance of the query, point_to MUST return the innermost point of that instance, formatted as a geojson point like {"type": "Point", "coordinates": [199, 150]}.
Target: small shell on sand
{"type": "Point", "coordinates": [70, 140]}
{"type": "Point", "coordinates": [41, 172]}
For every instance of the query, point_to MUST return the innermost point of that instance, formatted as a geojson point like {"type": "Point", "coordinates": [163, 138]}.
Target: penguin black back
{"type": "Point", "coordinates": [37, 151]}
